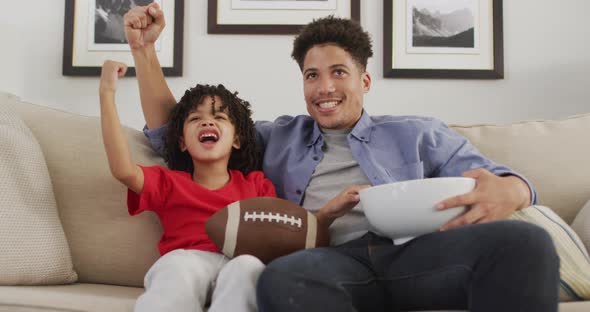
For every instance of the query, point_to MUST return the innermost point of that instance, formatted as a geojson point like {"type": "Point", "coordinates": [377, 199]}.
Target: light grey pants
{"type": "Point", "coordinates": [183, 280]}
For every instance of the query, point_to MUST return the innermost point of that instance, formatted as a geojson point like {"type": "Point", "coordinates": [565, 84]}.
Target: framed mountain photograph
{"type": "Point", "coordinates": [459, 39]}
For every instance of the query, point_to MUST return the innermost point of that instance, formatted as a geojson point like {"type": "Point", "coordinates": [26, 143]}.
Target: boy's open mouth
{"type": "Point", "coordinates": [208, 136]}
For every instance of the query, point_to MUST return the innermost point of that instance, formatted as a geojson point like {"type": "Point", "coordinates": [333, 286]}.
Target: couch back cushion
{"type": "Point", "coordinates": [552, 154]}
{"type": "Point", "coordinates": [107, 245]}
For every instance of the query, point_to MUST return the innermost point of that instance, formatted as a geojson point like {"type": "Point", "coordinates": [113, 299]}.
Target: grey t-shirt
{"type": "Point", "coordinates": [337, 170]}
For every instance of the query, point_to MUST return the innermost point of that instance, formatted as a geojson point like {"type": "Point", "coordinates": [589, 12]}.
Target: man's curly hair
{"type": "Point", "coordinates": [244, 159]}
{"type": "Point", "coordinates": [345, 33]}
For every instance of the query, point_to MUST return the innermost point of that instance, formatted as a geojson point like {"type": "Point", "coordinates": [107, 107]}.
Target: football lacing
{"type": "Point", "coordinates": [271, 217]}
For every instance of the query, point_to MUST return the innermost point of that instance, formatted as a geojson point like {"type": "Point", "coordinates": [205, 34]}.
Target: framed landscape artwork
{"type": "Point", "coordinates": [94, 32]}
{"type": "Point", "coordinates": [459, 39]}
{"type": "Point", "coordinates": [273, 16]}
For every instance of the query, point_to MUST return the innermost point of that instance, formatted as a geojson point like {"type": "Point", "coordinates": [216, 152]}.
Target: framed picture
{"type": "Point", "coordinates": [273, 16]}
{"type": "Point", "coordinates": [459, 39]}
{"type": "Point", "coordinates": [94, 32]}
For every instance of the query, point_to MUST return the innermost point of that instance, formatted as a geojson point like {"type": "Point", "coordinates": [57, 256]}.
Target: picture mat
{"type": "Point", "coordinates": [284, 5]}
{"type": "Point", "coordinates": [81, 57]}
{"type": "Point", "coordinates": [92, 46]}
{"type": "Point", "coordinates": [403, 60]}
{"type": "Point", "coordinates": [227, 16]}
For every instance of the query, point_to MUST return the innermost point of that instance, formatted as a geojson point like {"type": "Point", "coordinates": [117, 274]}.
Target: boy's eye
{"type": "Point", "coordinates": [220, 117]}
{"type": "Point", "coordinates": [194, 118]}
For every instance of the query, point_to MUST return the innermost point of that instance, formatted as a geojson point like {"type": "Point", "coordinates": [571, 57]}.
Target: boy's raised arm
{"type": "Point", "coordinates": [143, 25]}
{"type": "Point", "coordinates": [122, 166]}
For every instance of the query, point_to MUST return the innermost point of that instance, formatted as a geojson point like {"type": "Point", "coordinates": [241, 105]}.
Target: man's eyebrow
{"type": "Point", "coordinates": [338, 65]}
{"type": "Point", "coordinates": [313, 69]}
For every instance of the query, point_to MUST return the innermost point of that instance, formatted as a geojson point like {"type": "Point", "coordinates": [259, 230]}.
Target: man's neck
{"type": "Point", "coordinates": [211, 176]}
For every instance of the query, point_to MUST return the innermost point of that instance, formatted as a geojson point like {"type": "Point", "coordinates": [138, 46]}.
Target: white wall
{"type": "Point", "coordinates": [547, 65]}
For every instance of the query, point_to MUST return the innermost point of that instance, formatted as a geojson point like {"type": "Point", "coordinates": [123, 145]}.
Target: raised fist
{"type": "Point", "coordinates": [110, 74]}
{"type": "Point", "coordinates": [143, 25]}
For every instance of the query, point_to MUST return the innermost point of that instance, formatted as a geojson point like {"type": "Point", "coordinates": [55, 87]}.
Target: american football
{"type": "Point", "coordinates": [265, 227]}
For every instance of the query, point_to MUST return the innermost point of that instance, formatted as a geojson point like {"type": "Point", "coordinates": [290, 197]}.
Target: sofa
{"type": "Point", "coordinates": [110, 251]}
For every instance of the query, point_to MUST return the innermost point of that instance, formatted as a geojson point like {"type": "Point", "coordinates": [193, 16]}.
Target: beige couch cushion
{"type": "Point", "coordinates": [68, 298]}
{"type": "Point", "coordinates": [108, 246]}
{"type": "Point", "coordinates": [553, 155]}
{"type": "Point", "coordinates": [33, 246]}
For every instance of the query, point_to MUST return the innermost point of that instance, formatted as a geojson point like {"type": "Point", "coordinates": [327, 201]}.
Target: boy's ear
{"type": "Point", "coordinates": [181, 144]}
{"type": "Point", "coordinates": [236, 143]}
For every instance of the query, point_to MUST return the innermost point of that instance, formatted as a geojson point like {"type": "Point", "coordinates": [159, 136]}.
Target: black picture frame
{"type": "Point", "coordinates": [497, 72]}
{"type": "Point", "coordinates": [69, 69]}
{"type": "Point", "coordinates": [214, 27]}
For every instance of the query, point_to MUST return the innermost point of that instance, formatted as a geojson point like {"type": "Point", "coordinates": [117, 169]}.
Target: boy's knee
{"type": "Point", "coordinates": [245, 262]}
{"type": "Point", "coordinates": [243, 269]}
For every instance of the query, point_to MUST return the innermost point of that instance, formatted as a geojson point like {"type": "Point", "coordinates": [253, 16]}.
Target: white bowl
{"type": "Point", "coordinates": [404, 210]}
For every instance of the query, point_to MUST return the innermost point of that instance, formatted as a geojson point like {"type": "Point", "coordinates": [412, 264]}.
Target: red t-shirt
{"type": "Point", "coordinates": [184, 206]}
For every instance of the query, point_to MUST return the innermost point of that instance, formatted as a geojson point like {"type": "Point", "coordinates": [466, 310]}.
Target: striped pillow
{"type": "Point", "coordinates": [581, 225]}
{"type": "Point", "coordinates": [574, 267]}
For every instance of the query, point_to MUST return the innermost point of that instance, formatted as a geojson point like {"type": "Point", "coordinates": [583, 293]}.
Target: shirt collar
{"type": "Point", "coordinates": [315, 135]}
{"type": "Point", "coordinates": [361, 131]}
{"type": "Point", "coordinates": [363, 128]}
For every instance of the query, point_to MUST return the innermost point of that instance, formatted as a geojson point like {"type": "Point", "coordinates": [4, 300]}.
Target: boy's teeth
{"type": "Point", "coordinates": [328, 104]}
{"type": "Point", "coordinates": [208, 135]}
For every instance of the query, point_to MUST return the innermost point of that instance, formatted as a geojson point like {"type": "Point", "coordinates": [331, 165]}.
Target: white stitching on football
{"type": "Point", "coordinates": [272, 217]}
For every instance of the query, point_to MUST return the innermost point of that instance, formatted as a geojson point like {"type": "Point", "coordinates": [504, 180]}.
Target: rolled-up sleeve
{"type": "Point", "coordinates": [156, 137]}
{"type": "Point", "coordinates": [451, 154]}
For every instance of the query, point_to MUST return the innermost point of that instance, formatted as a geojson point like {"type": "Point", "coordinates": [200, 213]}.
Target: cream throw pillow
{"type": "Point", "coordinates": [33, 246]}
{"type": "Point", "coordinates": [574, 268]}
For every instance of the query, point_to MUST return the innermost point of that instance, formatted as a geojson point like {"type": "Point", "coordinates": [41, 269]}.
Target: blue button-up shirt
{"type": "Point", "coordinates": [387, 148]}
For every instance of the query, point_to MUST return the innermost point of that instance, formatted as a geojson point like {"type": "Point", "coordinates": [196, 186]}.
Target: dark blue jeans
{"type": "Point", "coordinates": [498, 266]}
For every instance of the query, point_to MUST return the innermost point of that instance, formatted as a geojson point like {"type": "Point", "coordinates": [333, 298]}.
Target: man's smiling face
{"type": "Point", "coordinates": [334, 86]}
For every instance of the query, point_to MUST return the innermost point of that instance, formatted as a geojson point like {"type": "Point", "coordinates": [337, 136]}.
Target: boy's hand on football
{"type": "Point", "coordinates": [340, 205]}
{"type": "Point", "coordinates": [110, 74]}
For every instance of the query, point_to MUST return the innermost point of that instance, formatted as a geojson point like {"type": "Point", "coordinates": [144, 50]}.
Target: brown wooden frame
{"type": "Point", "coordinates": [496, 73]}
{"type": "Point", "coordinates": [69, 70]}
{"type": "Point", "coordinates": [253, 29]}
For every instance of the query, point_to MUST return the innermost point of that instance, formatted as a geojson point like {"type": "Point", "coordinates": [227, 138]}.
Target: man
{"type": "Point", "coordinates": [472, 263]}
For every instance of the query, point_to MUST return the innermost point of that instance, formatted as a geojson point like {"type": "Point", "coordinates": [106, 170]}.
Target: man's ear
{"type": "Point", "coordinates": [181, 144]}
{"type": "Point", "coordinates": [236, 143]}
{"type": "Point", "coordinates": [366, 78]}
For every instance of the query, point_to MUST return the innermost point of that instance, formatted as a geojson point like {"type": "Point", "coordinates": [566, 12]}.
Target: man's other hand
{"type": "Point", "coordinates": [494, 198]}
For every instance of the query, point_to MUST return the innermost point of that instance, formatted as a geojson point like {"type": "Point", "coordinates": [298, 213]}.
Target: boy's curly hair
{"type": "Point", "coordinates": [345, 33]}
{"type": "Point", "coordinates": [244, 159]}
